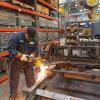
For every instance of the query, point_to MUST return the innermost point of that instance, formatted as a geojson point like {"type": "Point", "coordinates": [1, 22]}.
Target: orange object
{"type": "Point", "coordinates": [19, 55]}
{"type": "Point", "coordinates": [24, 10]}
{"type": "Point", "coordinates": [3, 78]}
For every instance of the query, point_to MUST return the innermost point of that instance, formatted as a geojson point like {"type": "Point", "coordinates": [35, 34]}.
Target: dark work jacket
{"type": "Point", "coordinates": [18, 44]}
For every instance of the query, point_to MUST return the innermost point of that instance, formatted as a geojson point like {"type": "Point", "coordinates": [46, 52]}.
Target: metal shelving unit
{"type": "Point", "coordinates": [22, 10]}
{"type": "Point", "coordinates": [23, 29]}
{"type": "Point", "coordinates": [42, 2]}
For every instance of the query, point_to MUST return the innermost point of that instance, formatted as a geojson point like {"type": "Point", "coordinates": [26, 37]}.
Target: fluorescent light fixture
{"type": "Point", "coordinates": [62, 1]}
{"type": "Point", "coordinates": [81, 10]}
{"type": "Point", "coordinates": [76, 5]}
{"type": "Point", "coordinates": [98, 8]}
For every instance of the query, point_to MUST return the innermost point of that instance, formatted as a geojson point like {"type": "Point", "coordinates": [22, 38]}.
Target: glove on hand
{"type": "Point", "coordinates": [31, 58]}
{"type": "Point", "coordinates": [24, 57]}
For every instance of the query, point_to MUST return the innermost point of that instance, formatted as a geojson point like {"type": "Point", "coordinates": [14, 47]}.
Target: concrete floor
{"type": "Point", "coordinates": [5, 91]}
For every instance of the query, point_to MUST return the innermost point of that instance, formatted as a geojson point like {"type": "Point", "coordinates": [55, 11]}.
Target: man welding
{"type": "Point", "coordinates": [23, 49]}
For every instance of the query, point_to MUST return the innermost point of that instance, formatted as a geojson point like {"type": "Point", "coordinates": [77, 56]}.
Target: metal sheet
{"type": "Point", "coordinates": [55, 96]}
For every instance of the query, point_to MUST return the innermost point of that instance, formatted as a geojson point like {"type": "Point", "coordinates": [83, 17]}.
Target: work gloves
{"type": "Point", "coordinates": [25, 57]}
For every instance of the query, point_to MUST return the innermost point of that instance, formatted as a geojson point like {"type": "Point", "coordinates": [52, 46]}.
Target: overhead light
{"type": "Point", "coordinates": [84, 9]}
{"type": "Point", "coordinates": [76, 5]}
{"type": "Point", "coordinates": [98, 8]}
{"type": "Point", "coordinates": [81, 10]}
{"type": "Point", "coordinates": [61, 1]}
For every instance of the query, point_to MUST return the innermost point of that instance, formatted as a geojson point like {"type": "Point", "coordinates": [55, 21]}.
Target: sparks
{"type": "Point", "coordinates": [42, 72]}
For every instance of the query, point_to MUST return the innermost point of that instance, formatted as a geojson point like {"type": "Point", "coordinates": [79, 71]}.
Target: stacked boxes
{"type": "Point", "coordinates": [52, 24]}
{"type": "Point", "coordinates": [56, 35]}
{"type": "Point", "coordinates": [47, 23]}
{"type": "Point", "coordinates": [50, 36]}
{"type": "Point", "coordinates": [7, 17]}
{"type": "Point", "coordinates": [42, 9]}
{"type": "Point", "coordinates": [4, 38]}
{"type": "Point", "coordinates": [52, 2]}
{"type": "Point", "coordinates": [25, 20]}
{"type": "Point", "coordinates": [55, 25]}
{"type": "Point", "coordinates": [42, 22]}
{"type": "Point", "coordinates": [42, 36]}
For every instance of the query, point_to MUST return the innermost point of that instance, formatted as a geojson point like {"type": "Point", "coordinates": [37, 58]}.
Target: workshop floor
{"type": "Point", "coordinates": [5, 92]}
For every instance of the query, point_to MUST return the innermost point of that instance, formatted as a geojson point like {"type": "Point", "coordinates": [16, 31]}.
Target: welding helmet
{"type": "Point", "coordinates": [31, 32]}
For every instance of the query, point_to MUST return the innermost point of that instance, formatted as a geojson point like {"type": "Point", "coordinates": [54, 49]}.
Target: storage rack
{"type": "Point", "coordinates": [81, 32]}
{"type": "Point", "coordinates": [83, 37]}
{"type": "Point", "coordinates": [76, 37]}
{"type": "Point", "coordinates": [18, 9]}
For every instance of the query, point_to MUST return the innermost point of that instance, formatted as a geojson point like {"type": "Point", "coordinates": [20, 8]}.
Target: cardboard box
{"type": "Point", "coordinates": [42, 9]}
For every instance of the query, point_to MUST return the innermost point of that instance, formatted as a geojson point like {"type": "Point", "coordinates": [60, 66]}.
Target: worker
{"type": "Point", "coordinates": [22, 49]}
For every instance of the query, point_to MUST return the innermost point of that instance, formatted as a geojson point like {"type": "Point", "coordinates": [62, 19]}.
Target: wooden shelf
{"type": "Point", "coordinates": [47, 5]}
{"type": "Point", "coordinates": [23, 29]}
{"type": "Point", "coordinates": [24, 10]}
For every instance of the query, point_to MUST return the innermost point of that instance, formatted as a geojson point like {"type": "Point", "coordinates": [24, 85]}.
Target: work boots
{"type": "Point", "coordinates": [14, 96]}
{"type": "Point", "coordinates": [20, 96]}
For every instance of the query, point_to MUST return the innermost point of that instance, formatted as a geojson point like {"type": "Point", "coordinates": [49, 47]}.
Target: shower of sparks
{"type": "Point", "coordinates": [42, 72]}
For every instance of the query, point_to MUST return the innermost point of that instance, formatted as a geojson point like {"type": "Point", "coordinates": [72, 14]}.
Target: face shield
{"type": "Point", "coordinates": [31, 33]}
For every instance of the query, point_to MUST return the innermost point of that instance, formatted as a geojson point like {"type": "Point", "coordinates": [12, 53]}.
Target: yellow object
{"type": "Point", "coordinates": [42, 9]}
{"type": "Point", "coordinates": [61, 10]}
{"type": "Point", "coordinates": [96, 14]}
{"type": "Point", "coordinates": [38, 62]}
{"type": "Point", "coordinates": [92, 3]}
